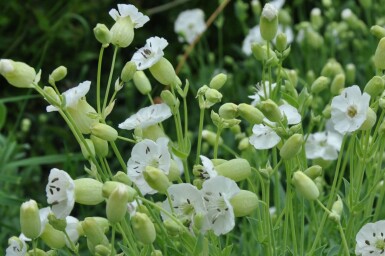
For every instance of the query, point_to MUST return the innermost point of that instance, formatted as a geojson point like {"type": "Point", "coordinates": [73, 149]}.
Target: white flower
{"type": "Point", "coordinates": [148, 153]}
{"type": "Point", "coordinates": [190, 24]}
{"type": "Point", "coordinates": [263, 137]}
{"type": "Point", "coordinates": [147, 116]}
{"type": "Point", "coordinates": [149, 54]}
{"type": "Point", "coordinates": [291, 113]}
{"type": "Point", "coordinates": [278, 4]}
{"type": "Point", "coordinates": [217, 193]}
{"type": "Point", "coordinates": [208, 170]}
{"type": "Point", "coordinates": [254, 36]}
{"type": "Point", "coordinates": [323, 145]}
{"type": "Point", "coordinates": [346, 13]}
{"type": "Point", "coordinates": [72, 230]}
{"type": "Point", "coordinates": [262, 92]}
{"type": "Point", "coordinates": [269, 12]}
{"type": "Point", "coordinates": [128, 10]}
{"type": "Point", "coordinates": [17, 247]}
{"type": "Point", "coordinates": [371, 239]}
{"type": "Point", "coordinates": [348, 110]}
{"type": "Point", "coordinates": [60, 193]}
{"type": "Point", "coordinates": [132, 207]}
{"type": "Point", "coordinates": [187, 202]}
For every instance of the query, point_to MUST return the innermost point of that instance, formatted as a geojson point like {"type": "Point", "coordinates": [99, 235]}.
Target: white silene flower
{"type": "Point", "coordinates": [147, 116]}
{"type": "Point", "coordinates": [262, 92]}
{"type": "Point", "coordinates": [217, 193]}
{"type": "Point", "coordinates": [348, 110]}
{"type": "Point", "coordinates": [17, 247]}
{"type": "Point", "coordinates": [187, 202]}
{"type": "Point", "coordinates": [189, 24]}
{"type": "Point", "coordinates": [72, 230]}
{"type": "Point", "coordinates": [323, 145]}
{"type": "Point", "coordinates": [128, 10]}
{"type": "Point", "coordinates": [149, 54]}
{"type": "Point", "coordinates": [254, 36]}
{"type": "Point", "coordinates": [208, 170]}
{"type": "Point", "coordinates": [148, 153]}
{"type": "Point", "coordinates": [371, 239]}
{"type": "Point", "coordinates": [60, 193]}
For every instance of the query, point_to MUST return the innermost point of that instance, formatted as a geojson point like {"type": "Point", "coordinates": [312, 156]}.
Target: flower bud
{"type": "Point", "coordinates": [37, 252]}
{"type": "Point", "coordinates": [370, 120]}
{"type": "Point", "coordinates": [320, 84]}
{"type": "Point", "coordinates": [141, 82]}
{"type": "Point", "coordinates": [170, 100]}
{"type": "Point", "coordinates": [144, 229]}
{"type": "Point", "coordinates": [58, 74]}
{"type": "Point", "coordinates": [327, 111]}
{"type": "Point", "coordinates": [81, 116]}
{"type": "Point", "coordinates": [25, 125]}
{"type": "Point", "coordinates": [244, 203]}
{"type": "Point", "coordinates": [102, 34]}
{"type": "Point", "coordinates": [269, 22]}
{"type": "Point", "coordinates": [128, 72]}
{"type": "Point", "coordinates": [260, 53]}
{"type": "Point", "coordinates": [213, 96]}
{"type": "Point", "coordinates": [250, 114]}
{"type": "Point", "coordinates": [156, 179]}
{"type": "Point", "coordinates": [88, 191]}
{"type": "Point", "coordinates": [100, 145]}
{"type": "Point", "coordinates": [350, 73]}
{"type": "Point", "coordinates": [89, 150]}
{"type": "Point", "coordinates": [173, 228]}
{"type": "Point", "coordinates": [236, 169]}
{"type": "Point", "coordinates": [30, 219]}
{"type": "Point", "coordinates": [316, 18]}
{"type": "Point", "coordinates": [122, 177]}
{"type": "Point", "coordinates": [104, 131]}
{"type": "Point", "coordinates": [210, 137]}
{"type": "Point", "coordinates": [228, 111]}
{"type": "Point", "coordinates": [94, 232]}
{"type": "Point", "coordinates": [281, 42]}
{"type": "Point", "coordinates": [122, 32]}
{"type": "Point", "coordinates": [243, 144]}
{"type": "Point", "coordinates": [174, 172]}
{"type": "Point", "coordinates": [102, 250]}
{"type": "Point", "coordinates": [218, 81]}
{"type": "Point", "coordinates": [17, 74]}
{"type": "Point", "coordinates": [116, 206]}
{"type": "Point", "coordinates": [375, 86]}
{"type": "Point", "coordinates": [51, 96]}
{"type": "Point", "coordinates": [336, 211]}
{"type": "Point", "coordinates": [378, 31]}
{"type": "Point", "coordinates": [337, 84]}
{"type": "Point", "coordinates": [156, 253]}
{"type": "Point", "coordinates": [291, 147]}
{"type": "Point", "coordinates": [313, 171]}
{"type": "Point", "coordinates": [164, 72]}
{"type": "Point", "coordinates": [54, 238]}
{"type": "Point", "coordinates": [379, 55]}
{"type": "Point", "coordinates": [270, 109]}
{"type": "Point", "coordinates": [305, 186]}
{"type": "Point", "coordinates": [58, 224]}
{"type": "Point", "coordinates": [152, 132]}
{"type": "Point", "coordinates": [110, 186]}
{"type": "Point", "coordinates": [331, 68]}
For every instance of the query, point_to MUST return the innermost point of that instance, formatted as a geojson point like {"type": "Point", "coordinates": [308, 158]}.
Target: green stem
{"type": "Point", "coordinates": [344, 242]}
{"type": "Point", "coordinates": [201, 117]}
{"type": "Point", "coordinates": [217, 137]}
{"type": "Point", "coordinates": [127, 139]}
{"type": "Point", "coordinates": [109, 79]}
{"type": "Point", "coordinates": [113, 240]}
{"type": "Point", "coordinates": [72, 245]}
{"type": "Point", "coordinates": [98, 79]}
{"type": "Point", "coordinates": [118, 155]}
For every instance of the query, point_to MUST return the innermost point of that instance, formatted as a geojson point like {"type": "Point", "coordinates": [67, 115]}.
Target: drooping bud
{"type": "Point", "coordinates": [110, 186]}
{"type": "Point", "coordinates": [102, 34]}
{"type": "Point", "coordinates": [228, 111]}
{"type": "Point", "coordinates": [173, 228]}
{"type": "Point", "coordinates": [375, 86]}
{"type": "Point", "coordinates": [316, 18]}
{"type": "Point", "coordinates": [58, 74]}
{"type": "Point", "coordinates": [244, 203]}
{"type": "Point", "coordinates": [331, 68]}
{"type": "Point", "coordinates": [88, 150]}
{"type": "Point", "coordinates": [122, 177]}
{"type": "Point", "coordinates": [260, 53]}
{"type": "Point", "coordinates": [243, 144]}
{"type": "Point", "coordinates": [379, 55]}
{"type": "Point", "coordinates": [174, 172]}
{"type": "Point", "coordinates": [144, 229]}
{"type": "Point", "coordinates": [116, 206]}
{"type": "Point", "coordinates": [54, 238]}
{"type": "Point", "coordinates": [30, 219]}
{"type": "Point", "coordinates": [94, 232]}
{"type": "Point", "coordinates": [218, 81]}
{"type": "Point", "coordinates": [305, 186]}
{"type": "Point", "coordinates": [104, 131]}
{"type": "Point", "coordinates": [269, 22]}
{"type": "Point", "coordinates": [171, 101]}
{"type": "Point", "coordinates": [336, 211]}
{"type": "Point", "coordinates": [128, 72]}
{"type": "Point", "coordinates": [337, 84]}
{"type": "Point", "coordinates": [370, 120]}
{"type": "Point", "coordinates": [313, 171]}
{"type": "Point", "coordinates": [164, 72]}
{"type": "Point", "coordinates": [291, 147]}
{"type": "Point", "coordinates": [17, 73]}
{"type": "Point", "coordinates": [250, 114]}
{"type": "Point", "coordinates": [102, 250]}
{"type": "Point", "coordinates": [271, 111]}
{"type": "Point", "coordinates": [281, 42]}
{"type": "Point", "coordinates": [156, 179]}
{"type": "Point", "coordinates": [210, 137]}
{"type": "Point", "coordinates": [213, 96]}
{"type": "Point", "coordinates": [100, 145]}
{"type": "Point", "coordinates": [320, 84]}
{"type": "Point", "coordinates": [88, 191]}
{"type": "Point", "coordinates": [122, 32]}
{"type": "Point", "coordinates": [141, 82]}
{"type": "Point", "coordinates": [236, 169]}
{"type": "Point", "coordinates": [378, 31]}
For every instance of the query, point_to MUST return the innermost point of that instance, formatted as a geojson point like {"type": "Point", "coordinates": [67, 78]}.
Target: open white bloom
{"type": "Point", "coordinates": [148, 153]}
{"type": "Point", "coordinates": [254, 36]}
{"type": "Point", "coordinates": [323, 145]}
{"type": "Point", "coordinates": [371, 239]}
{"type": "Point", "coordinates": [149, 54]}
{"type": "Point", "coordinates": [291, 113]}
{"type": "Point", "coordinates": [72, 230]}
{"type": "Point", "coordinates": [348, 110]}
{"type": "Point", "coordinates": [189, 24]}
{"type": "Point", "coordinates": [187, 202]}
{"type": "Point", "coordinates": [147, 116]}
{"type": "Point", "coordinates": [263, 137]}
{"type": "Point", "coordinates": [17, 247]}
{"type": "Point", "coordinates": [60, 193]}
{"type": "Point", "coordinates": [217, 193]}
{"type": "Point", "coordinates": [128, 10]}
{"type": "Point", "coordinates": [208, 170]}
{"type": "Point", "coordinates": [262, 92]}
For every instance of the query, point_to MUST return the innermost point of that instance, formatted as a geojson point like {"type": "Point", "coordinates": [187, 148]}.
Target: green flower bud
{"type": "Point", "coordinates": [210, 137]}
{"type": "Point", "coordinates": [379, 55]}
{"type": "Point", "coordinates": [122, 32]}
{"type": "Point", "coordinates": [88, 191]}
{"type": "Point", "coordinates": [58, 74]}
{"type": "Point", "coordinates": [336, 211]}
{"type": "Point", "coordinates": [164, 72]}
{"type": "Point", "coordinates": [102, 34]}
{"type": "Point", "coordinates": [100, 145]}
{"type": "Point", "coordinates": [250, 114]}
{"type": "Point", "coordinates": [228, 111]}
{"type": "Point", "coordinates": [116, 206]}
{"type": "Point", "coordinates": [313, 171]}
{"type": "Point", "coordinates": [54, 238]}
{"type": "Point", "coordinates": [213, 96]}
{"type": "Point", "coordinates": [375, 86]}
{"type": "Point", "coordinates": [128, 72]}
{"type": "Point", "coordinates": [316, 18]}
{"type": "Point", "coordinates": [173, 228]}
{"type": "Point", "coordinates": [102, 223]}
{"type": "Point", "coordinates": [102, 250]}
{"type": "Point", "coordinates": [327, 111]}
{"type": "Point", "coordinates": [260, 53]}
{"type": "Point", "coordinates": [36, 252]}
{"type": "Point", "coordinates": [270, 109]}
{"type": "Point", "coordinates": [94, 232]}
{"type": "Point", "coordinates": [350, 73]}
{"type": "Point", "coordinates": [122, 177]}
{"type": "Point", "coordinates": [59, 224]}
{"type": "Point", "coordinates": [144, 229]}
{"type": "Point", "coordinates": [170, 100]}
{"type": "Point", "coordinates": [243, 144]}
{"type": "Point", "coordinates": [218, 81]}
{"type": "Point", "coordinates": [198, 183]}
{"type": "Point", "coordinates": [30, 220]}
{"type": "Point", "coordinates": [291, 147]}
{"type": "Point", "coordinates": [141, 82]}
{"type": "Point", "coordinates": [305, 186]}
{"type": "Point", "coordinates": [320, 84]}
{"type": "Point", "coordinates": [269, 22]}
{"type": "Point", "coordinates": [281, 42]}
{"type": "Point", "coordinates": [110, 186]}
{"type": "Point", "coordinates": [104, 131]}
{"type": "Point", "coordinates": [52, 96]}
{"type": "Point", "coordinates": [173, 173]}
{"type": "Point", "coordinates": [17, 74]}
{"type": "Point", "coordinates": [370, 120]}
{"type": "Point", "coordinates": [156, 253]}
{"type": "Point", "coordinates": [256, 7]}
{"type": "Point", "coordinates": [156, 179]}
{"type": "Point", "coordinates": [244, 203]}
{"type": "Point", "coordinates": [378, 31]}
{"type": "Point", "coordinates": [337, 84]}
{"type": "Point", "coordinates": [89, 150]}
{"type": "Point", "coordinates": [152, 132]}
{"type": "Point", "coordinates": [25, 125]}
{"type": "Point", "coordinates": [310, 76]}
{"type": "Point", "coordinates": [332, 68]}
{"type": "Point", "coordinates": [81, 116]}
{"type": "Point", "coordinates": [236, 169]}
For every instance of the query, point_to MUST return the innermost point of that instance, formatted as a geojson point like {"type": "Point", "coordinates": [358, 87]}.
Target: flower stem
{"type": "Point", "coordinates": [201, 116]}
{"type": "Point", "coordinates": [98, 79]}
{"type": "Point", "coordinates": [109, 79]}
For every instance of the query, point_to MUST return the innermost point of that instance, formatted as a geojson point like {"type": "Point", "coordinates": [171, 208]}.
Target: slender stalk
{"type": "Point", "coordinates": [201, 116]}
{"type": "Point", "coordinates": [110, 79]}
{"type": "Point", "coordinates": [98, 79]}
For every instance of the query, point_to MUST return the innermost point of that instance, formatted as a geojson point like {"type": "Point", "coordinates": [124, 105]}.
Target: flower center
{"type": "Point", "coordinates": [352, 111]}
{"type": "Point", "coordinates": [380, 244]}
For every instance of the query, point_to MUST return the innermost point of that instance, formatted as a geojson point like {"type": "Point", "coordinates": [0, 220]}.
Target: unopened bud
{"type": "Point", "coordinates": [228, 111]}
{"type": "Point", "coordinates": [291, 147]}
{"type": "Point", "coordinates": [17, 74]}
{"type": "Point", "coordinates": [236, 169]}
{"type": "Point", "coordinates": [110, 186]}
{"type": "Point", "coordinates": [54, 238]}
{"type": "Point", "coordinates": [156, 253]}
{"type": "Point", "coordinates": [218, 81]}
{"type": "Point", "coordinates": [58, 74]}
{"type": "Point", "coordinates": [144, 229]}
{"type": "Point", "coordinates": [378, 31]}
{"type": "Point", "coordinates": [337, 84]}
{"type": "Point", "coordinates": [243, 144]}
{"type": "Point", "coordinates": [102, 34]}
{"type": "Point", "coordinates": [320, 84]}
{"type": "Point", "coordinates": [260, 53]}
{"type": "Point", "coordinates": [281, 42]}
{"type": "Point", "coordinates": [173, 228]}
{"type": "Point", "coordinates": [128, 72]}
{"type": "Point", "coordinates": [122, 32]}
{"type": "Point", "coordinates": [375, 86]}
{"type": "Point", "coordinates": [116, 206]}
{"type": "Point", "coordinates": [305, 186]}
{"type": "Point", "coordinates": [88, 191]}
{"type": "Point", "coordinates": [104, 131]}
{"type": "Point", "coordinates": [250, 113]}
{"type": "Point", "coordinates": [331, 68]}
{"type": "Point", "coordinates": [370, 120]}
{"type": "Point", "coordinates": [30, 219]}
{"type": "Point", "coordinates": [174, 172]}
{"type": "Point", "coordinates": [270, 109]}
{"type": "Point", "coordinates": [350, 73]}
{"type": "Point", "coordinates": [170, 100]}
{"type": "Point", "coordinates": [122, 177]}
{"type": "Point", "coordinates": [336, 211]}
{"type": "Point", "coordinates": [88, 149]}
{"type": "Point", "coordinates": [313, 171]}
{"type": "Point", "coordinates": [213, 96]}
{"type": "Point", "coordinates": [164, 72]}
{"type": "Point", "coordinates": [100, 145]}
{"type": "Point", "coordinates": [94, 232]}
{"type": "Point", "coordinates": [269, 22]}
{"type": "Point", "coordinates": [244, 203]}
{"type": "Point", "coordinates": [141, 82]}
{"type": "Point", "coordinates": [102, 250]}
{"type": "Point", "coordinates": [156, 179]}
{"type": "Point", "coordinates": [379, 55]}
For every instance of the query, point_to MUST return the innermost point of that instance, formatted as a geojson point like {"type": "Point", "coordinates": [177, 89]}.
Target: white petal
{"type": "Point", "coordinates": [73, 95]}
{"type": "Point", "coordinates": [263, 137]}
{"type": "Point", "coordinates": [59, 183]}
{"type": "Point", "coordinates": [291, 113]}
{"type": "Point", "coordinates": [72, 230]}
{"type": "Point", "coordinates": [225, 223]}
{"type": "Point", "coordinates": [114, 14]}
{"type": "Point", "coordinates": [208, 166]}
{"type": "Point", "coordinates": [221, 184]}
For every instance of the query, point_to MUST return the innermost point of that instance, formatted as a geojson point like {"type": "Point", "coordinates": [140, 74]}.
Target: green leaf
{"type": "Point", "coordinates": [3, 114]}
{"type": "Point", "coordinates": [290, 99]}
